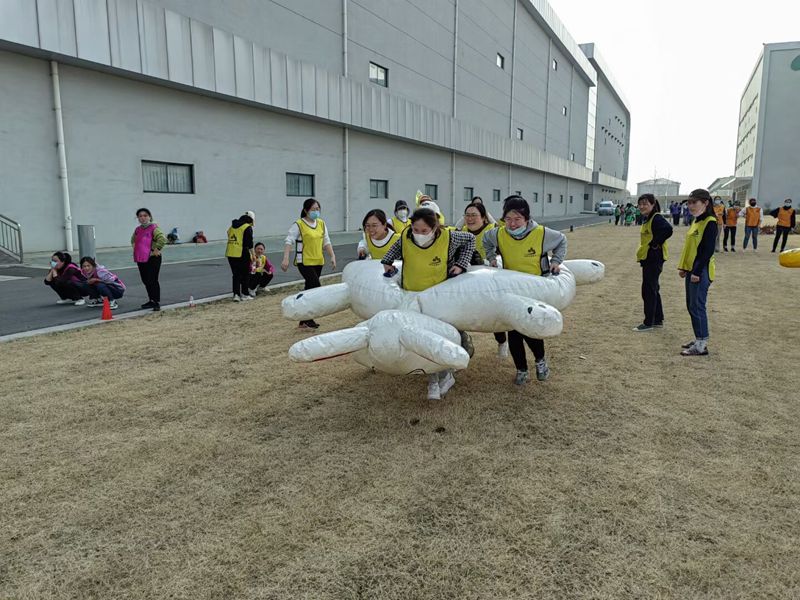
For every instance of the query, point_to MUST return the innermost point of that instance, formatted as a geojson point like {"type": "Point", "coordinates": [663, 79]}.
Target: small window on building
{"type": "Point", "coordinates": [572, 156]}
{"type": "Point", "coordinates": [501, 61]}
{"type": "Point", "coordinates": [432, 191]}
{"type": "Point", "coordinates": [496, 195]}
{"type": "Point", "coordinates": [570, 199]}
{"type": "Point", "coordinates": [520, 133]}
{"type": "Point", "coordinates": [536, 196]}
{"type": "Point", "coordinates": [468, 194]}
{"type": "Point", "coordinates": [299, 184]}
{"type": "Point", "coordinates": [378, 188]}
{"type": "Point", "coordinates": [378, 74]}
{"type": "Point", "coordinates": [549, 198]}
{"type": "Point", "coordinates": [167, 178]}
{"type": "Point", "coordinates": [586, 196]}
{"type": "Point", "coordinates": [561, 198]}
{"type": "Point", "coordinates": [564, 110]}
{"type": "Point", "coordinates": [555, 65]}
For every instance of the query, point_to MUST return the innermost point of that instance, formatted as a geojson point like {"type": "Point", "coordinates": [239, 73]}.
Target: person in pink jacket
{"type": "Point", "coordinates": [147, 241]}
{"type": "Point", "coordinates": [101, 283]}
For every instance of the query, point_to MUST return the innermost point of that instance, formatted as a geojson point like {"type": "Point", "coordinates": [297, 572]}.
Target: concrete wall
{"type": "Point", "coordinates": [612, 142]}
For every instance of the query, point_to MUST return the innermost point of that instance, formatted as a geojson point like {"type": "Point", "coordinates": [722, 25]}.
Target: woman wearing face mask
{"type": "Point", "coordinates": [431, 253]}
{"type": "Point", "coordinates": [378, 235]}
{"type": "Point", "coordinates": [697, 267]}
{"type": "Point", "coordinates": [148, 240]}
{"type": "Point", "coordinates": [476, 200]}
{"type": "Point", "coordinates": [530, 248]}
{"type": "Point", "coordinates": [309, 237]}
{"type": "Point", "coordinates": [787, 220]}
{"type": "Point", "coordinates": [400, 219]}
{"type": "Point", "coordinates": [752, 223]}
{"type": "Point", "coordinates": [101, 283]}
{"type": "Point", "coordinates": [651, 255]}
{"type": "Point", "coordinates": [66, 280]}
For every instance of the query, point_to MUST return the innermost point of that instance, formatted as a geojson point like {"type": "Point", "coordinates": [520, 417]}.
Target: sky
{"type": "Point", "coordinates": [682, 67]}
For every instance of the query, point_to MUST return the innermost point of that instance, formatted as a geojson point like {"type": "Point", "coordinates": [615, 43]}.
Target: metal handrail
{"type": "Point", "coordinates": [11, 238]}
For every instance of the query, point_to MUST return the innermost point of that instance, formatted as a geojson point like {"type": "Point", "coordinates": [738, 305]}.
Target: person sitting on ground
{"type": "Point", "coordinates": [66, 279]}
{"type": "Point", "coordinates": [173, 237]}
{"type": "Point", "coordinates": [101, 283]}
{"type": "Point", "coordinates": [261, 271]}
{"type": "Point", "coordinates": [199, 238]}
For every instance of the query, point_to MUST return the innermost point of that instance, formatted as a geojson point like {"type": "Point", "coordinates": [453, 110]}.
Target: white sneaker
{"type": "Point", "coordinates": [252, 292]}
{"type": "Point", "coordinates": [237, 298]}
{"type": "Point", "coordinates": [62, 301]}
{"type": "Point", "coordinates": [94, 302]}
{"type": "Point", "coordinates": [434, 393]}
{"type": "Point", "coordinates": [80, 302]}
{"type": "Point", "coordinates": [502, 350]}
{"type": "Point", "coordinates": [246, 297]}
{"type": "Point", "coordinates": [446, 382]}
{"type": "Point", "coordinates": [113, 304]}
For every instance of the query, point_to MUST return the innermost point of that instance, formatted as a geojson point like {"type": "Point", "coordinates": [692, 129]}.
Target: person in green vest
{"type": "Point", "coordinates": [629, 214]}
{"type": "Point", "coordinates": [697, 267]}
{"type": "Point", "coordinates": [651, 255]}
{"type": "Point", "coordinates": [309, 237]}
{"type": "Point", "coordinates": [240, 254]}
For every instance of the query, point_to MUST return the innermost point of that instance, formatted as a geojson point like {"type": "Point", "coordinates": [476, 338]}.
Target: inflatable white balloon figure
{"type": "Point", "coordinates": [406, 331]}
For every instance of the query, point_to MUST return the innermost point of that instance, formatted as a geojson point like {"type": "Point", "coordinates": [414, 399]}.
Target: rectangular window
{"type": "Point", "coordinates": [167, 178]}
{"type": "Point", "coordinates": [555, 65]}
{"type": "Point", "coordinates": [549, 198]}
{"type": "Point", "coordinates": [561, 198]}
{"type": "Point", "coordinates": [299, 184]}
{"type": "Point", "coordinates": [378, 188]}
{"type": "Point", "coordinates": [496, 195]}
{"type": "Point", "coordinates": [586, 196]}
{"type": "Point", "coordinates": [468, 194]}
{"type": "Point", "coordinates": [572, 156]}
{"type": "Point", "coordinates": [432, 191]}
{"type": "Point", "coordinates": [378, 74]}
{"type": "Point", "coordinates": [520, 133]}
{"type": "Point", "coordinates": [501, 61]}
{"type": "Point", "coordinates": [536, 196]}
{"type": "Point", "coordinates": [570, 199]}
{"type": "Point", "coordinates": [564, 110]}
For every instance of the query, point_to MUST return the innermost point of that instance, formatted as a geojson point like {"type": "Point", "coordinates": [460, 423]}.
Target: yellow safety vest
{"type": "Point", "coordinates": [752, 216]}
{"type": "Point", "coordinates": [235, 245]}
{"type": "Point", "coordinates": [398, 225]}
{"type": "Point", "coordinates": [646, 236]}
{"type": "Point", "coordinates": [311, 238]}
{"type": "Point", "coordinates": [479, 238]}
{"type": "Point", "coordinates": [524, 255]}
{"type": "Point", "coordinates": [785, 217]}
{"type": "Point", "coordinates": [424, 267]}
{"type": "Point", "coordinates": [692, 243]}
{"type": "Point", "coordinates": [378, 252]}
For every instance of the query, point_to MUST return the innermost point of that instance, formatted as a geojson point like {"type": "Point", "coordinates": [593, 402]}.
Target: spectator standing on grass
{"type": "Point", "coordinates": [675, 211]}
{"type": "Point", "coordinates": [787, 221]}
{"type": "Point", "coordinates": [101, 283]}
{"type": "Point", "coordinates": [66, 279]}
{"type": "Point", "coordinates": [731, 222]}
{"type": "Point", "coordinates": [629, 214]}
{"type": "Point", "coordinates": [261, 271]}
{"type": "Point", "coordinates": [752, 223]}
{"type": "Point", "coordinates": [309, 237]}
{"type": "Point", "coordinates": [148, 240]}
{"type": "Point", "coordinates": [719, 212]}
{"type": "Point", "coordinates": [239, 252]}
{"type": "Point", "coordinates": [697, 266]}
{"type": "Point", "coordinates": [652, 254]}
{"type": "Point", "coordinates": [617, 213]}
{"type": "Point", "coordinates": [687, 215]}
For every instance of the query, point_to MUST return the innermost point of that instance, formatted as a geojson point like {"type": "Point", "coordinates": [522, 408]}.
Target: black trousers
{"type": "Point", "coordinates": [500, 337]}
{"type": "Point", "coordinates": [781, 231]}
{"type": "Point", "coordinates": [516, 345]}
{"type": "Point", "coordinates": [148, 271]}
{"type": "Point", "coordinates": [67, 290]}
{"type": "Point", "coordinates": [240, 273]}
{"type": "Point", "coordinates": [311, 275]}
{"type": "Point", "coordinates": [616, 219]}
{"type": "Point", "coordinates": [676, 219]}
{"type": "Point", "coordinates": [259, 280]}
{"type": "Point", "coordinates": [651, 293]}
{"type": "Point", "coordinates": [732, 232]}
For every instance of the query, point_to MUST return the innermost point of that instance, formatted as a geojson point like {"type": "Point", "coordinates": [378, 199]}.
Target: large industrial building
{"type": "Point", "coordinates": [200, 110]}
{"type": "Point", "coordinates": [768, 143]}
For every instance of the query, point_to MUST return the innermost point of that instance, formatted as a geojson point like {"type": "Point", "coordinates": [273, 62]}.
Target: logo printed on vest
{"type": "Point", "coordinates": [531, 251]}
{"type": "Point", "coordinates": [436, 261]}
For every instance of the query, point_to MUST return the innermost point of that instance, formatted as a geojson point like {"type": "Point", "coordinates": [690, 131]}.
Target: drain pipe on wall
{"type": "Point", "coordinates": [345, 131]}
{"type": "Point", "coordinates": [62, 156]}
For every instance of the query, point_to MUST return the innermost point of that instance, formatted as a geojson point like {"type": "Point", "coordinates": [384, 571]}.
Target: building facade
{"type": "Point", "coordinates": [200, 111]}
{"type": "Point", "coordinates": [768, 141]}
{"type": "Point", "coordinates": [659, 187]}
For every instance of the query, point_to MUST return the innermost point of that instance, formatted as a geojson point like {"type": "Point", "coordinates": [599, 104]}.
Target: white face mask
{"type": "Point", "coordinates": [424, 239]}
{"type": "Point", "coordinates": [402, 214]}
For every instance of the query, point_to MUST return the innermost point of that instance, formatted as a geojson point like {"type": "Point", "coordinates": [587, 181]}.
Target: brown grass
{"type": "Point", "coordinates": [183, 456]}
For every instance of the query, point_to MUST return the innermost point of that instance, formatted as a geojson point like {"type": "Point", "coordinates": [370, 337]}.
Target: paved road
{"type": "Point", "coordinates": [27, 304]}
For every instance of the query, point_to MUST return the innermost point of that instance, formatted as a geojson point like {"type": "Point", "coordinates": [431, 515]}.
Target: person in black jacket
{"type": "Point", "coordinates": [787, 221]}
{"type": "Point", "coordinates": [651, 255]}
{"type": "Point", "coordinates": [240, 254]}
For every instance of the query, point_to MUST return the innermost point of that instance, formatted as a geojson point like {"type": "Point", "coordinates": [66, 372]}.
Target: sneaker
{"type": "Point", "coordinates": [252, 293]}
{"type": "Point", "coordinates": [502, 350]}
{"type": "Point", "coordinates": [466, 343]}
{"type": "Point", "coordinates": [63, 301]}
{"type": "Point", "coordinates": [94, 302]}
{"type": "Point", "coordinates": [542, 370]}
{"type": "Point", "coordinates": [112, 304]}
{"type": "Point", "coordinates": [434, 393]}
{"type": "Point", "coordinates": [237, 298]}
{"type": "Point", "coordinates": [156, 307]}
{"type": "Point", "coordinates": [521, 378]}
{"type": "Point", "coordinates": [733, 249]}
{"type": "Point", "coordinates": [446, 383]}
{"type": "Point", "coordinates": [659, 325]}
{"type": "Point", "coordinates": [313, 324]}
{"type": "Point", "coordinates": [148, 304]}
{"type": "Point", "coordinates": [246, 297]}
{"type": "Point", "coordinates": [80, 302]}
{"type": "Point", "coordinates": [688, 345]}
{"type": "Point", "coordinates": [643, 327]}
{"type": "Point", "coordinates": [693, 351]}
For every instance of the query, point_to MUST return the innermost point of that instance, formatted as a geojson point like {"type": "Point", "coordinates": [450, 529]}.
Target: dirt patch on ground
{"type": "Point", "coordinates": [182, 455]}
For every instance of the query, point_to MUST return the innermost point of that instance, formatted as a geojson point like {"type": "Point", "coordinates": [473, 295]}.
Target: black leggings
{"type": "Point", "coordinates": [240, 273]}
{"type": "Point", "coordinates": [517, 349]}
{"type": "Point", "coordinates": [780, 231]}
{"type": "Point", "coordinates": [148, 271]}
{"type": "Point", "coordinates": [732, 231]}
{"type": "Point", "coordinates": [651, 294]}
{"type": "Point", "coordinates": [311, 275]}
{"type": "Point", "coordinates": [500, 337]}
{"type": "Point", "coordinates": [67, 290]}
{"type": "Point", "coordinates": [260, 280]}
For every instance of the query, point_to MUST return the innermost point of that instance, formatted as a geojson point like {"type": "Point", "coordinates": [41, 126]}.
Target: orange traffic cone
{"type": "Point", "coordinates": [106, 316]}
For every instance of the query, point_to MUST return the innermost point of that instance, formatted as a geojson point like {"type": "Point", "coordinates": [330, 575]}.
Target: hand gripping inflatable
{"type": "Point", "coordinates": [790, 258]}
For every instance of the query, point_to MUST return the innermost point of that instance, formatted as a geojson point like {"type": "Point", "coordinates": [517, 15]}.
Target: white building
{"type": "Point", "coordinates": [659, 187]}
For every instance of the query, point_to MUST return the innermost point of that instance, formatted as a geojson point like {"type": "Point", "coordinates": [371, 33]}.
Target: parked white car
{"type": "Point", "coordinates": [606, 207]}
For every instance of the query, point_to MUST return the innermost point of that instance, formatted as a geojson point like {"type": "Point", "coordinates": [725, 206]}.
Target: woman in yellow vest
{"type": "Point", "coordinates": [239, 251]}
{"type": "Point", "coordinates": [489, 218]}
{"type": "Point", "coordinates": [530, 248]}
{"type": "Point", "coordinates": [400, 219]}
{"type": "Point", "coordinates": [651, 255]}
{"type": "Point", "coordinates": [425, 201]}
{"type": "Point", "coordinates": [787, 221]}
{"type": "Point", "coordinates": [378, 235]}
{"type": "Point", "coordinates": [430, 254]}
{"type": "Point", "coordinates": [752, 223]}
{"type": "Point", "coordinates": [731, 221]}
{"type": "Point", "coordinates": [309, 237]}
{"type": "Point", "coordinates": [697, 267]}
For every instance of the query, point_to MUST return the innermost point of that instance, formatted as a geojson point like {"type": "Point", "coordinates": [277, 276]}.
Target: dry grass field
{"type": "Point", "coordinates": [182, 455]}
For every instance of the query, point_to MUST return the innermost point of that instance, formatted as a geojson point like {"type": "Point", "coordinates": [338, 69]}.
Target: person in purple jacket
{"type": "Point", "coordinates": [101, 283]}
{"type": "Point", "coordinates": [147, 241]}
{"type": "Point", "coordinates": [66, 279]}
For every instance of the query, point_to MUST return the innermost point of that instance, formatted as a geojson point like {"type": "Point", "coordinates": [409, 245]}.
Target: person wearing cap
{"type": "Point", "coordinates": [652, 254]}
{"type": "Point", "coordinates": [719, 212]}
{"type": "Point", "coordinates": [752, 223]}
{"type": "Point", "coordinates": [529, 248]}
{"type": "Point", "coordinates": [731, 221]}
{"type": "Point", "coordinates": [425, 201]}
{"type": "Point", "coordinates": [787, 221]}
{"type": "Point", "coordinates": [697, 267]}
{"type": "Point", "coordinates": [239, 251]}
{"type": "Point", "coordinates": [475, 200]}
{"type": "Point", "coordinates": [400, 219]}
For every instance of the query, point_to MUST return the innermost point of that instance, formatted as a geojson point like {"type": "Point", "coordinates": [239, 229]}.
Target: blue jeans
{"type": "Point", "coordinates": [99, 290]}
{"type": "Point", "coordinates": [748, 231]}
{"type": "Point", "coordinates": [696, 294]}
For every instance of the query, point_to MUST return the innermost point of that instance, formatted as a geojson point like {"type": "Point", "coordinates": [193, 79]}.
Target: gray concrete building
{"type": "Point", "coordinates": [659, 187]}
{"type": "Point", "coordinates": [200, 110]}
{"type": "Point", "coordinates": [768, 141]}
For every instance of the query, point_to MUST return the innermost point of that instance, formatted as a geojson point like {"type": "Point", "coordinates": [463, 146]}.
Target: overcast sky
{"type": "Point", "coordinates": [682, 66]}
